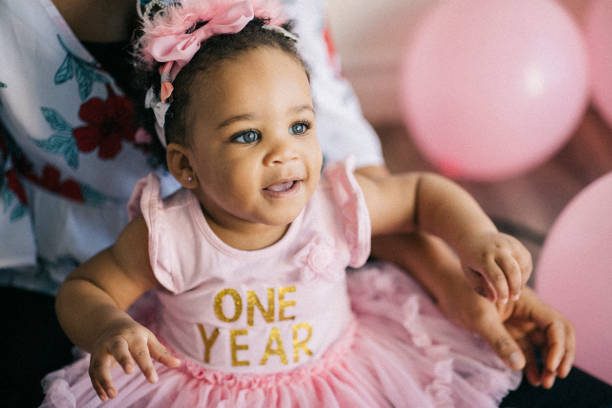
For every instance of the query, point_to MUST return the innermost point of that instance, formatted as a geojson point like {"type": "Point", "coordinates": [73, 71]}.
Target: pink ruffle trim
{"type": "Point", "coordinates": [349, 198]}
{"type": "Point", "coordinates": [379, 291]}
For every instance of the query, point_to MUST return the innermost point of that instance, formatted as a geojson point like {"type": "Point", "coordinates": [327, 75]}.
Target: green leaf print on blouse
{"type": "Point", "coordinates": [61, 142]}
{"type": "Point", "coordinates": [92, 196]}
{"type": "Point", "coordinates": [17, 211]}
{"type": "Point", "coordinates": [86, 73]}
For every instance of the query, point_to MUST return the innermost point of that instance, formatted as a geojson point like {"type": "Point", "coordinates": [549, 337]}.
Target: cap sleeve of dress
{"type": "Point", "coordinates": [352, 207]}
{"type": "Point", "coordinates": [146, 200]}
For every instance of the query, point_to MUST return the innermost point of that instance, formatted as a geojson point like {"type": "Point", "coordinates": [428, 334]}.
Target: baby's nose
{"type": "Point", "coordinates": [282, 151]}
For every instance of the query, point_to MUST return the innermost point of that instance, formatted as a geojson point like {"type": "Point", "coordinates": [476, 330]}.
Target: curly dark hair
{"type": "Point", "coordinates": [212, 51]}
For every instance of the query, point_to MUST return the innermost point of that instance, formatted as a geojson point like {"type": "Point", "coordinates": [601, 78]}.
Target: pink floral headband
{"type": "Point", "coordinates": [166, 39]}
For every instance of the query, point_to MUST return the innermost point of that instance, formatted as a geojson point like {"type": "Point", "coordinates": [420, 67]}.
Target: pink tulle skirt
{"type": "Point", "coordinates": [398, 352]}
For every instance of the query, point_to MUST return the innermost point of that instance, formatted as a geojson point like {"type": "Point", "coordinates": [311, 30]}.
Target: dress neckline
{"type": "Point", "coordinates": [198, 218]}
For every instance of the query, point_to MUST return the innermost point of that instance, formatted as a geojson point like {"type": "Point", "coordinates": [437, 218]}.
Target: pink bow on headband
{"type": "Point", "coordinates": [176, 50]}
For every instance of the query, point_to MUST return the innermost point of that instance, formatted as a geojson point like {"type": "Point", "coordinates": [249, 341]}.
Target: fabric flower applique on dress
{"type": "Point", "coordinates": [317, 260]}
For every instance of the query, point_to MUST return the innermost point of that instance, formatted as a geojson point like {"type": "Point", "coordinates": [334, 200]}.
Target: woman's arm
{"type": "Point", "coordinates": [99, 21]}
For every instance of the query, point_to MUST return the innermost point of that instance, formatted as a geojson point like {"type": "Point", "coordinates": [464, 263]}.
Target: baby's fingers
{"type": "Point", "coordinates": [140, 352]}
{"type": "Point", "coordinates": [120, 350]}
{"type": "Point", "coordinates": [161, 354]}
{"type": "Point", "coordinates": [512, 272]}
{"type": "Point", "coordinates": [495, 274]}
{"type": "Point", "coordinates": [99, 372]}
{"type": "Point", "coordinates": [523, 257]}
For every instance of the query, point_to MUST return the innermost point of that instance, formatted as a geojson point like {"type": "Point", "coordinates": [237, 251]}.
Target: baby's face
{"type": "Point", "coordinates": [253, 141]}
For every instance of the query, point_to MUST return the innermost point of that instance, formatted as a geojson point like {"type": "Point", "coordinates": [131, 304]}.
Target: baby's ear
{"type": "Point", "coordinates": [180, 166]}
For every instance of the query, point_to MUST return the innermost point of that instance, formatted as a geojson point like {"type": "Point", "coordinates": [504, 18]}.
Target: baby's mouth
{"type": "Point", "coordinates": [281, 187]}
{"type": "Point", "coordinates": [284, 188]}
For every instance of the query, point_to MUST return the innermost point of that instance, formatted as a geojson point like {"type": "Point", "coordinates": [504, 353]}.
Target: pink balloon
{"type": "Point", "coordinates": [493, 88]}
{"type": "Point", "coordinates": [574, 274]}
{"type": "Point", "coordinates": [598, 34]}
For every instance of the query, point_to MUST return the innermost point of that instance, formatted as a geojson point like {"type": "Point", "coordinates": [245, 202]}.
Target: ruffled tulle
{"type": "Point", "coordinates": [399, 351]}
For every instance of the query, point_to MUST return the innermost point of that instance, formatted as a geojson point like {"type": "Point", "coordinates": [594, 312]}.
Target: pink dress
{"type": "Point", "coordinates": [287, 325]}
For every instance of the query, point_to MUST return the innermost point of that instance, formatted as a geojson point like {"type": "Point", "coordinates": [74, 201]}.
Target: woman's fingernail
{"type": "Point", "coordinates": [516, 297]}
{"type": "Point", "coordinates": [516, 360]}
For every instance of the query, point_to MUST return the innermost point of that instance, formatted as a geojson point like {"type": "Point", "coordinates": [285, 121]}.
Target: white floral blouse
{"type": "Point", "coordinates": [70, 153]}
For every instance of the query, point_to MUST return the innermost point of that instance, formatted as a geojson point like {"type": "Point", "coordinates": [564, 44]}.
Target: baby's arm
{"type": "Point", "coordinates": [91, 306]}
{"type": "Point", "coordinates": [410, 201]}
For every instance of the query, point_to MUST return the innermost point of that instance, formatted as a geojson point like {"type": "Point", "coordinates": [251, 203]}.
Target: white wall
{"type": "Point", "coordinates": [370, 36]}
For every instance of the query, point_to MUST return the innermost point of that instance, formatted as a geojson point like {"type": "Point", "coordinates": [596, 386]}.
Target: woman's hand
{"type": "Point", "coordinates": [461, 305]}
{"type": "Point", "coordinates": [126, 343]}
{"type": "Point", "coordinates": [497, 265]}
{"type": "Point", "coordinates": [516, 330]}
{"type": "Point", "coordinates": [534, 325]}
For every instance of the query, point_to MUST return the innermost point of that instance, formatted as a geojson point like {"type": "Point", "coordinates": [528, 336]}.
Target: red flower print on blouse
{"type": "Point", "coordinates": [108, 123]}
{"type": "Point", "coordinates": [69, 188]}
{"type": "Point", "coordinates": [49, 180]}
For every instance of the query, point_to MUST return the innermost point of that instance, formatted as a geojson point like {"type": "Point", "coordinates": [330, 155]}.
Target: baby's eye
{"type": "Point", "coordinates": [248, 136]}
{"type": "Point", "coordinates": [299, 128]}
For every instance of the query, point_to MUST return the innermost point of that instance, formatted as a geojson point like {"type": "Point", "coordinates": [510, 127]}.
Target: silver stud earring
{"type": "Point", "coordinates": [189, 179]}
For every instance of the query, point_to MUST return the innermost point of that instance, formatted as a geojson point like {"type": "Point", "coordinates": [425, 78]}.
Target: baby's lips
{"type": "Point", "coordinates": [283, 180]}
{"type": "Point", "coordinates": [282, 186]}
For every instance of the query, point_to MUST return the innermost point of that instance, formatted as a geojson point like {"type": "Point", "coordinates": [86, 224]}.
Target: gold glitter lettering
{"type": "Point", "coordinates": [235, 347]}
{"type": "Point", "coordinates": [282, 303]}
{"type": "Point", "coordinates": [253, 300]}
{"type": "Point", "coordinates": [219, 305]}
{"type": "Point", "coordinates": [274, 336]}
{"type": "Point", "coordinates": [300, 344]}
{"type": "Point", "coordinates": [208, 342]}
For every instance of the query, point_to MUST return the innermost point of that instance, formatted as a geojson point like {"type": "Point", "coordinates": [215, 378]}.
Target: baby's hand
{"type": "Point", "coordinates": [123, 343]}
{"type": "Point", "coordinates": [497, 265]}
